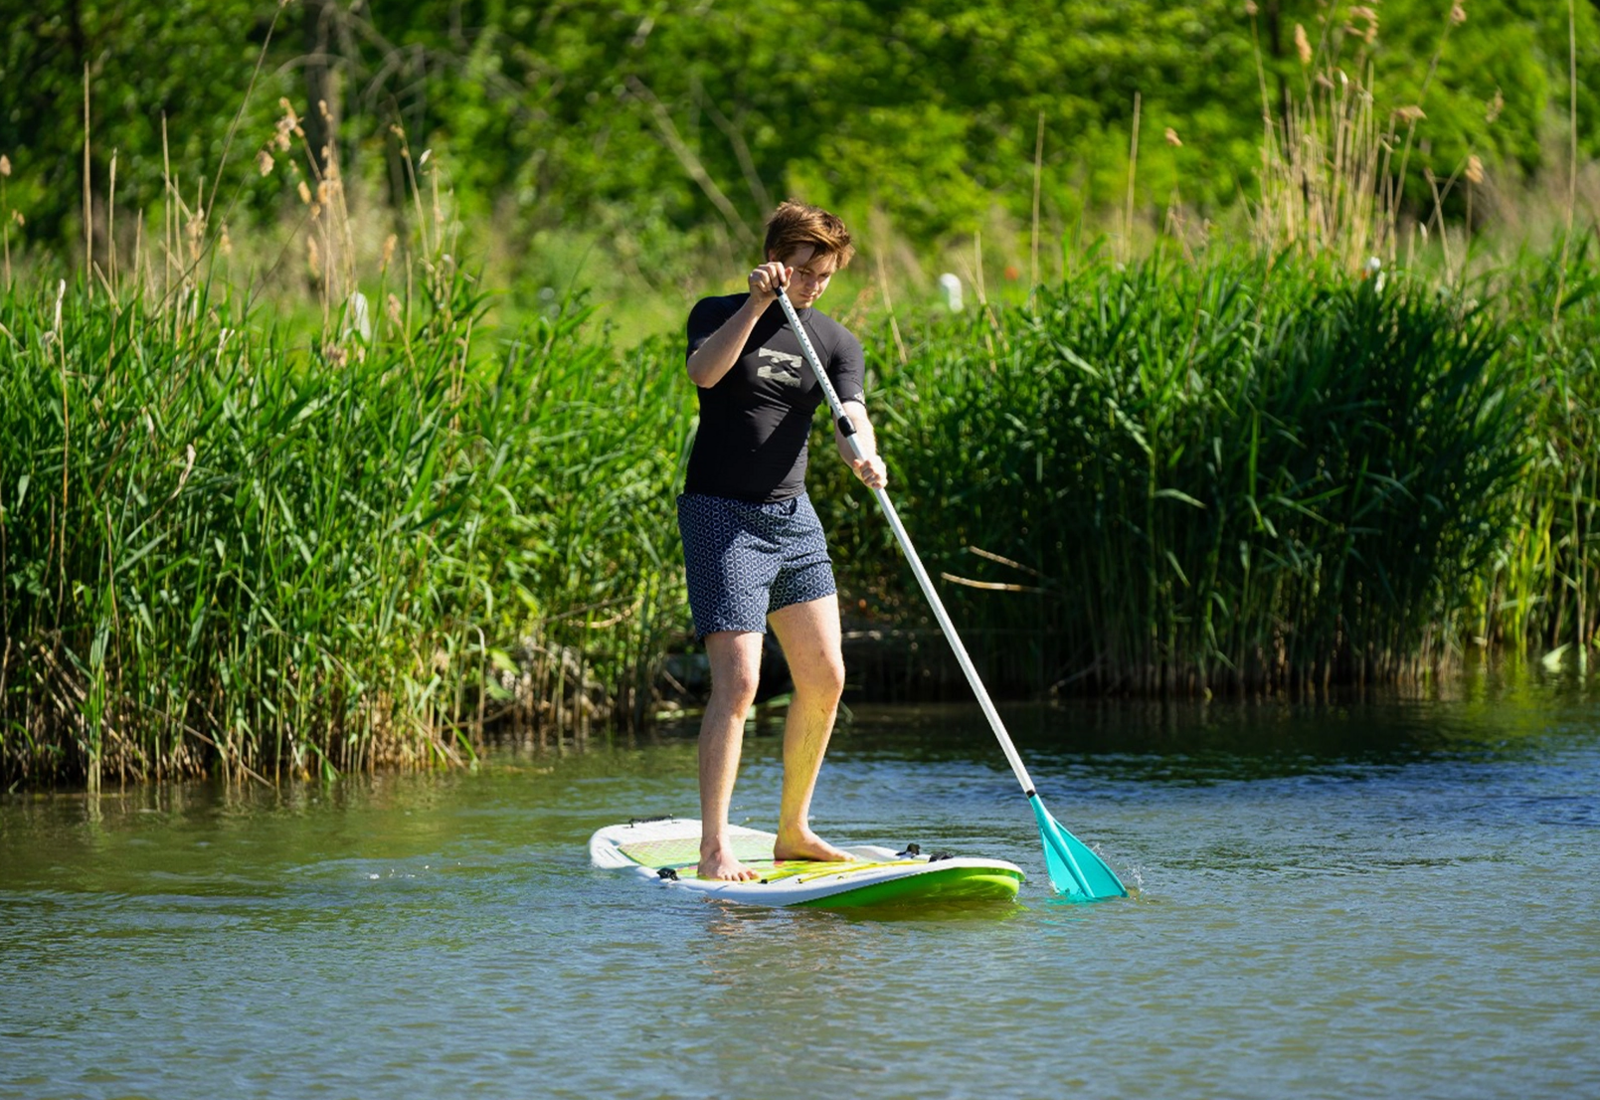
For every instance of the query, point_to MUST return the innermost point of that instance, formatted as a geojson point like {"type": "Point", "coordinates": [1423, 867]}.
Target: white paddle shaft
{"type": "Point", "coordinates": [848, 430]}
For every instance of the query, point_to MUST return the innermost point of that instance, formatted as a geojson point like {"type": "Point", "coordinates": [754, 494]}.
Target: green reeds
{"type": "Point", "coordinates": [581, 449]}
{"type": "Point", "coordinates": [222, 552]}
{"type": "Point", "coordinates": [1230, 477]}
{"type": "Point", "coordinates": [1540, 594]}
{"type": "Point", "coordinates": [209, 542]}
{"type": "Point", "coordinates": [226, 549]}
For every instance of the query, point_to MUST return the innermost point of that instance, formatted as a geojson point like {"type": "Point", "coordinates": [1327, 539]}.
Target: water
{"type": "Point", "coordinates": [1376, 900]}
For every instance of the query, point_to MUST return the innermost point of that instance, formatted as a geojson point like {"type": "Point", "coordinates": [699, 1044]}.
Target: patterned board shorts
{"type": "Point", "coordinates": [746, 561]}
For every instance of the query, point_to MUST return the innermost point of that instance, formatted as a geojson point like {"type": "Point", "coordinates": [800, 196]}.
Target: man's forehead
{"type": "Point", "coordinates": [806, 256]}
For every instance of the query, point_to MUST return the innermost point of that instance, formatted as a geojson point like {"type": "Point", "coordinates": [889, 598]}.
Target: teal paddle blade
{"type": "Point", "coordinates": [1076, 872]}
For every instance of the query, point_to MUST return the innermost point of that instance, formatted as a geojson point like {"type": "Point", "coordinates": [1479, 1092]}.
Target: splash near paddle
{"type": "Point", "coordinates": [666, 852]}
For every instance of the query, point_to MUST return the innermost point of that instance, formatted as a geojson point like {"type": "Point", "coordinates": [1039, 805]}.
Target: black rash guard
{"type": "Point", "coordinates": [754, 423]}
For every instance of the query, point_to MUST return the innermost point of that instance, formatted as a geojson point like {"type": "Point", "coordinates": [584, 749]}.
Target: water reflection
{"type": "Point", "coordinates": [1199, 742]}
{"type": "Point", "coordinates": [1366, 896]}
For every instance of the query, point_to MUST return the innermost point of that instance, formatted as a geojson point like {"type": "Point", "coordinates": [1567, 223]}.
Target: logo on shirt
{"type": "Point", "coordinates": [780, 367]}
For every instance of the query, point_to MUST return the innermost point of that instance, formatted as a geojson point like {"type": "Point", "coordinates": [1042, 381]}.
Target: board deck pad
{"type": "Point", "coordinates": [685, 851]}
{"type": "Point", "coordinates": [666, 852]}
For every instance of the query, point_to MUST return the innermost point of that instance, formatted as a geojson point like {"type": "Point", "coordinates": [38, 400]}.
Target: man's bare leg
{"type": "Point", "coordinates": [735, 672]}
{"type": "Point", "coordinates": [809, 634]}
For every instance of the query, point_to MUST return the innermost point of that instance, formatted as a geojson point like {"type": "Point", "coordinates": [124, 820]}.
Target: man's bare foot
{"type": "Point", "coordinates": [718, 865]}
{"type": "Point", "coordinates": [806, 844]}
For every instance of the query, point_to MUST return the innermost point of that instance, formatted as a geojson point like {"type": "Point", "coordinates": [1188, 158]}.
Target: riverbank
{"type": "Point", "coordinates": [230, 548]}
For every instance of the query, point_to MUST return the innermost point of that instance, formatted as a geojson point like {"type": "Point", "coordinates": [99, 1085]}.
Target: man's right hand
{"type": "Point", "coordinates": [766, 279]}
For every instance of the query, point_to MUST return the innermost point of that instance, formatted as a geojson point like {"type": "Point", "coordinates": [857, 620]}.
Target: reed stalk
{"type": "Point", "coordinates": [6, 215]}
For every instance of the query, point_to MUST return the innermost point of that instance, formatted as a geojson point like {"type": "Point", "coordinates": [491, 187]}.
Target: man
{"type": "Point", "coordinates": [753, 547]}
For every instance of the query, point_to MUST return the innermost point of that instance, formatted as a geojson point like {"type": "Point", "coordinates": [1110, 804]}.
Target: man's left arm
{"type": "Point", "coordinates": [870, 468]}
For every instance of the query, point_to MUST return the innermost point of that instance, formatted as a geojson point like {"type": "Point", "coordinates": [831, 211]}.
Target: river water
{"type": "Point", "coordinates": [1382, 898]}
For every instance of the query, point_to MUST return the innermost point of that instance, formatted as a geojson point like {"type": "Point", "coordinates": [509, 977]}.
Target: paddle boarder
{"type": "Point", "coordinates": [753, 547]}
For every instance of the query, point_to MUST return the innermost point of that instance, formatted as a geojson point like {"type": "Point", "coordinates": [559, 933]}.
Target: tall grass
{"type": "Point", "coordinates": [1336, 158]}
{"type": "Point", "coordinates": [578, 451]}
{"type": "Point", "coordinates": [223, 551]}
{"type": "Point", "coordinates": [223, 548]}
{"type": "Point", "coordinates": [1541, 591]}
{"type": "Point", "coordinates": [1231, 477]}
{"type": "Point", "coordinates": [207, 542]}
{"type": "Point", "coordinates": [229, 544]}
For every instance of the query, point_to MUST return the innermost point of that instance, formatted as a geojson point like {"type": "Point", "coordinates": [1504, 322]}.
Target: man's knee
{"type": "Point", "coordinates": [823, 676]}
{"type": "Point", "coordinates": [735, 679]}
{"type": "Point", "coordinates": [737, 685]}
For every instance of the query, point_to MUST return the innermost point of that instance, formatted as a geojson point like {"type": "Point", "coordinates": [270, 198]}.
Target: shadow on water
{"type": "Point", "coordinates": [1485, 716]}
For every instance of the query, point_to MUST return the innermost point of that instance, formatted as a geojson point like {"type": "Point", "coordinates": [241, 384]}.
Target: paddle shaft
{"type": "Point", "coordinates": [848, 430]}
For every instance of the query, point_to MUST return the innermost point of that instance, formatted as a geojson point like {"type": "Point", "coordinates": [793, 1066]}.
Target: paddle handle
{"type": "Point", "coordinates": [848, 430]}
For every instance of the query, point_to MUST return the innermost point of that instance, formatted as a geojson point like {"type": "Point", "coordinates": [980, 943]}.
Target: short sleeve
{"type": "Point", "coordinates": [847, 369]}
{"type": "Point", "coordinates": [707, 316]}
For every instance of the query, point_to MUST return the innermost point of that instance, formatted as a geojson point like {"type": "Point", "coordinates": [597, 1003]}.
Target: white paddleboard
{"type": "Point", "coordinates": [666, 851]}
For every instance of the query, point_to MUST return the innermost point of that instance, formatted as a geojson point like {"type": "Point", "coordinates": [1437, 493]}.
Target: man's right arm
{"type": "Point", "coordinates": [720, 351]}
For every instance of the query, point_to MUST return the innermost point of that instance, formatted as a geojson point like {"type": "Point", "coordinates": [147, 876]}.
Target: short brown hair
{"type": "Point", "coordinates": [796, 223]}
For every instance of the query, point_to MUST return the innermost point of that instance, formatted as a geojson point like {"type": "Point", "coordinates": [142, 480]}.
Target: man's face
{"type": "Point", "coordinates": [811, 273]}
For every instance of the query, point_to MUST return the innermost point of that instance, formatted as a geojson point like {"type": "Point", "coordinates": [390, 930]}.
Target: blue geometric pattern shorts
{"type": "Point", "coordinates": [746, 561]}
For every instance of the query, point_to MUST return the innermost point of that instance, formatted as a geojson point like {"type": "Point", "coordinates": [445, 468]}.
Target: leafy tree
{"type": "Point", "coordinates": [656, 120]}
{"type": "Point", "coordinates": [183, 63]}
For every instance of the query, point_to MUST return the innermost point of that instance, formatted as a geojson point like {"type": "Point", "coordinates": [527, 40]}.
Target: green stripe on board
{"type": "Point", "coordinates": [953, 884]}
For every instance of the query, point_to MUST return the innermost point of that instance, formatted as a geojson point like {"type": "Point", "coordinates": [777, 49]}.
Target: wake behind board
{"type": "Point", "coordinates": [666, 851]}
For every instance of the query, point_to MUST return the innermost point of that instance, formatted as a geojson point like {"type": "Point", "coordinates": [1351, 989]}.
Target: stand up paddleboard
{"type": "Point", "coordinates": [666, 851]}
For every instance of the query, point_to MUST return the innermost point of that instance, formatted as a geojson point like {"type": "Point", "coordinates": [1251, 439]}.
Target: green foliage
{"type": "Point", "coordinates": [1491, 85]}
{"type": "Point", "coordinates": [1229, 477]}
{"type": "Point", "coordinates": [682, 122]}
{"type": "Point", "coordinates": [219, 551]}
{"type": "Point", "coordinates": [187, 63]}
{"type": "Point", "coordinates": [1541, 592]}
{"type": "Point", "coordinates": [573, 533]}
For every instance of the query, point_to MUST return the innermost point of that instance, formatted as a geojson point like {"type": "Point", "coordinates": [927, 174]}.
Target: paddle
{"type": "Point", "coordinates": [1075, 870]}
